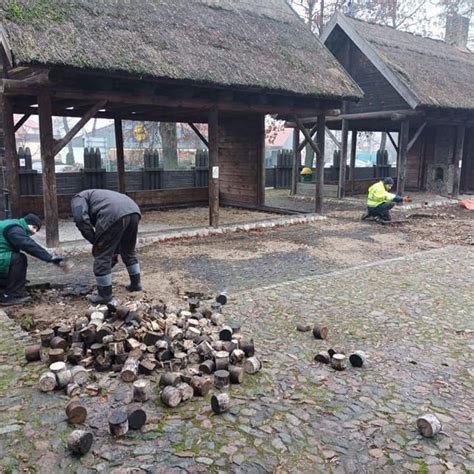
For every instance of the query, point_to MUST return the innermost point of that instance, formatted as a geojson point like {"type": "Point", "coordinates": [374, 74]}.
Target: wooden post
{"type": "Point", "coordinates": [49, 177]}
{"type": "Point", "coordinates": [120, 155]}
{"type": "Point", "coordinates": [296, 160]}
{"type": "Point", "coordinates": [343, 160]}
{"type": "Point", "coordinates": [353, 159]}
{"type": "Point", "coordinates": [261, 176]}
{"type": "Point", "coordinates": [318, 205]}
{"type": "Point", "coordinates": [12, 165]}
{"type": "Point", "coordinates": [460, 134]}
{"type": "Point", "coordinates": [214, 167]}
{"type": "Point", "coordinates": [402, 155]}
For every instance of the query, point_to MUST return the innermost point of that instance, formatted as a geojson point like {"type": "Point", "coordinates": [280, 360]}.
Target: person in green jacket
{"type": "Point", "coordinates": [15, 239]}
{"type": "Point", "coordinates": [380, 201]}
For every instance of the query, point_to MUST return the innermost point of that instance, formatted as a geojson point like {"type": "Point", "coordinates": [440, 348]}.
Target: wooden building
{"type": "Point", "coordinates": [222, 62]}
{"type": "Point", "coordinates": [420, 87]}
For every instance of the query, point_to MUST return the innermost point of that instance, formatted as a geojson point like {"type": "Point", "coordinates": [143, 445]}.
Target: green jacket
{"type": "Point", "coordinates": [378, 195]}
{"type": "Point", "coordinates": [5, 247]}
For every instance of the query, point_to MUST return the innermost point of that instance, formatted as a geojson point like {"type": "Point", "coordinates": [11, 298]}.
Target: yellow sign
{"type": "Point", "coordinates": [139, 132]}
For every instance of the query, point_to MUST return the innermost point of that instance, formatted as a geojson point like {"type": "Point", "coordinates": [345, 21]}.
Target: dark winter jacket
{"type": "Point", "coordinates": [96, 210]}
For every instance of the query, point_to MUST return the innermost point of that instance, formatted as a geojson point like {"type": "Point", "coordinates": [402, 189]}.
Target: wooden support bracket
{"type": "Point", "coordinates": [393, 141]}
{"type": "Point", "coordinates": [305, 142]}
{"type": "Point", "coordinates": [417, 134]}
{"type": "Point", "coordinates": [20, 122]}
{"type": "Point", "coordinates": [199, 134]}
{"type": "Point", "coordinates": [306, 134]}
{"type": "Point", "coordinates": [333, 138]}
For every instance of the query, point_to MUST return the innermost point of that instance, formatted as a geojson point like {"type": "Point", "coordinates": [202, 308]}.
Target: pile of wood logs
{"type": "Point", "coordinates": [338, 359]}
{"type": "Point", "coordinates": [194, 349]}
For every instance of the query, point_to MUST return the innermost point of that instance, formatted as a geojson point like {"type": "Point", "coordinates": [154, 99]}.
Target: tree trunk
{"type": "Point", "coordinates": [309, 156]}
{"type": "Point", "coordinates": [169, 143]}
{"type": "Point", "coordinates": [70, 152]}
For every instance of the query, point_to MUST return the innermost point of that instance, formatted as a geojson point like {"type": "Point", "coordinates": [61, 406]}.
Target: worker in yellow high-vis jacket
{"type": "Point", "coordinates": [380, 201]}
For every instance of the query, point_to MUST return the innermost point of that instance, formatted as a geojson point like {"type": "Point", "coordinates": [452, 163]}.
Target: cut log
{"type": "Point", "coordinates": [236, 374]}
{"type": "Point", "coordinates": [152, 337]}
{"type": "Point", "coordinates": [338, 361]}
{"type": "Point", "coordinates": [80, 375]}
{"type": "Point", "coordinates": [192, 333]}
{"type": "Point", "coordinates": [248, 347]}
{"type": "Point", "coordinates": [207, 367]}
{"type": "Point", "coordinates": [140, 390]}
{"type": "Point", "coordinates": [47, 382]}
{"type": "Point", "coordinates": [56, 355]}
{"type": "Point", "coordinates": [146, 366]}
{"type": "Point", "coordinates": [87, 361]}
{"type": "Point", "coordinates": [63, 378]}
{"type": "Point", "coordinates": [302, 327]}
{"type": "Point", "coordinates": [201, 385]}
{"type": "Point", "coordinates": [130, 370]}
{"type": "Point", "coordinates": [237, 356]}
{"type": "Point", "coordinates": [252, 365]}
{"type": "Point", "coordinates": [136, 417]}
{"type": "Point", "coordinates": [118, 423]}
{"type": "Point", "coordinates": [72, 389]}
{"type": "Point", "coordinates": [65, 333]}
{"type": "Point", "coordinates": [33, 352]}
{"type": "Point", "coordinates": [122, 312]}
{"type": "Point", "coordinates": [175, 333]}
{"type": "Point", "coordinates": [56, 367]}
{"type": "Point", "coordinates": [193, 304]}
{"type": "Point", "coordinates": [88, 335]}
{"type": "Point", "coordinates": [58, 343]}
{"type": "Point", "coordinates": [221, 359]}
{"type": "Point", "coordinates": [116, 348]}
{"type": "Point", "coordinates": [323, 357]}
{"type": "Point", "coordinates": [97, 349]}
{"type": "Point", "coordinates": [132, 344]}
{"type": "Point", "coordinates": [74, 355]}
{"type": "Point", "coordinates": [331, 352]}
{"type": "Point", "coordinates": [229, 346]}
{"type": "Point", "coordinates": [188, 374]}
{"type": "Point", "coordinates": [162, 345]}
{"type": "Point", "coordinates": [216, 307]}
{"type": "Point", "coordinates": [79, 442]}
{"type": "Point", "coordinates": [103, 362]}
{"type": "Point", "coordinates": [193, 356]}
{"type": "Point", "coordinates": [218, 345]}
{"type": "Point", "coordinates": [46, 336]}
{"type": "Point", "coordinates": [171, 396]}
{"type": "Point", "coordinates": [170, 378]}
{"type": "Point", "coordinates": [163, 355]}
{"type": "Point", "coordinates": [357, 359]}
{"type": "Point", "coordinates": [428, 425]}
{"type": "Point", "coordinates": [186, 390]}
{"type": "Point", "coordinates": [205, 349]}
{"type": "Point", "coordinates": [235, 325]}
{"type": "Point", "coordinates": [106, 330]}
{"type": "Point", "coordinates": [97, 316]}
{"type": "Point", "coordinates": [225, 334]}
{"type": "Point", "coordinates": [221, 298]}
{"type": "Point", "coordinates": [221, 379]}
{"type": "Point", "coordinates": [107, 340]}
{"type": "Point", "coordinates": [220, 403]}
{"type": "Point", "coordinates": [320, 332]}
{"type": "Point", "coordinates": [81, 323]}
{"type": "Point", "coordinates": [217, 319]}
{"type": "Point", "coordinates": [76, 412]}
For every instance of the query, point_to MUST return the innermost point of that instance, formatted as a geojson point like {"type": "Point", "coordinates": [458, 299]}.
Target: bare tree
{"type": "Point", "coordinates": [169, 143]}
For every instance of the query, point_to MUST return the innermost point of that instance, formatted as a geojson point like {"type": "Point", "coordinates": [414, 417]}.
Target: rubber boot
{"type": "Point", "coordinates": [135, 284]}
{"type": "Point", "coordinates": [103, 295]}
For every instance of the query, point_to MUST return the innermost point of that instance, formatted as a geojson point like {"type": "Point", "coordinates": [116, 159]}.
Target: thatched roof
{"type": "Point", "coordinates": [259, 44]}
{"type": "Point", "coordinates": [435, 73]}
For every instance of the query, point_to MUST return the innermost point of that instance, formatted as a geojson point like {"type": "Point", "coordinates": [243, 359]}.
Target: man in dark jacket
{"type": "Point", "coordinates": [14, 238]}
{"type": "Point", "coordinates": [109, 221]}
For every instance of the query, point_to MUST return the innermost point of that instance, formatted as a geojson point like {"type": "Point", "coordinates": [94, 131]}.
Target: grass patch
{"type": "Point", "coordinates": [423, 469]}
{"type": "Point", "coordinates": [48, 10]}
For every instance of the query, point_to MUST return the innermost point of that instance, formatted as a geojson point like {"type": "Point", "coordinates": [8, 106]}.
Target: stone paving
{"type": "Point", "coordinates": [413, 316]}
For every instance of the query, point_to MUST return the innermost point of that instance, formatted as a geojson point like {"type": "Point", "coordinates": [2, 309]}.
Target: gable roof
{"type": "Point", "coordinates": [258, 44]}
{"type": "Point", "coordinates": [424, 71]}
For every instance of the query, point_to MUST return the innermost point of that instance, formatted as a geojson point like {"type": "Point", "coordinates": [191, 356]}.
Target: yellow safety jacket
{"type": "Point", "coordinates": [378, 195]}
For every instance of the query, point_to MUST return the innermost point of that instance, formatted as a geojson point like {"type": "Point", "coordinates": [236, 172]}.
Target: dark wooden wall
{"type": "Point", "coordinates": [467, 170]}
{"type": "Point", "coordinates": [241, 153]}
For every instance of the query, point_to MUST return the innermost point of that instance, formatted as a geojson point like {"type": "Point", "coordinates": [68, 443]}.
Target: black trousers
{"type": "Point", "coordinates": [120, 238]}
{"type": "Point", "coordinates": [382, 211]}
{"type": "Point", "coordinates": [13, 284]}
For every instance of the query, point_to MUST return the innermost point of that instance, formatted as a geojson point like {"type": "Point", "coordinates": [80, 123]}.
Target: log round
{"type": "Point", "coordinates": [136, 417]}
{"type": "Point", "coordinates": [207, 367]}
{"type": "Point", "coordinates": [74, 355]}
{"type": "Point", "coordinates": [320, 332]}
{"type": "Point", "coordinates": [201, 385]}
{"type": "Point", "coordinates": [104, 331]}
{"type": "Point", "coordinates": [80, 375]}
{"type": "Point", "coordinates": [221, 359]}
{"type": "Point", "coordinates": [193, 304]}
{"type": "Point", "coordinates": [130, 370]}
{"type": "Point", "coordinates": [65, 333]}
{"type": "Point", "coordinates": [170, 379]}
{"type": "Point", "coordinates": [428, 425]}
{"type": "Point", "coordinates": [76, 413]}
{"type": "Point", "coordinates": [217, 319]}
{"type": "Point", "coordinates": [47, 382]}
{"type": "Point", "coordinates": [235, 325]}
{"type": "Point", "coordinates": [323, 357]}
{"type": "Point", "coordinates": [252, 365]}
{"type": "Point", "coordinates": [46, 336]}
{"type": "Point", "coordinates": [107, 340]}
{"type": "Point", "coordinates": [97, 349]}
{"type": "Point", "coordinates": [118, 423]}
{"type": "Point", "coordinates": [217, 345]}
{"type": "Point", "coordinates": [302, 327]}
{"type": "Point", "coordinates": [175, 333]}
{"type": "Point", "coordinates": [193, 356]}
{"type": "Point", "coordinates": [338, 361]}
{"type": "Point", "coordinates": [80, 442]}
{"type": "Point", "coordinates": [56, 355]}
{"type": "Point", "coordinates": [221, 379]}
{"type": "Point", "coordinates": [186, 390]}
{"type": "Point", "coordinates": [216, 307]}
{"type": "Point", "coordinates": [220, 403]}
{"type": "Point", "coordinates": [140, 390]}
{"type": "Point", "coordinates": [331, 352]}
{"type": "Point", "coordinates": [222, 298]}
{"type": "Point", "coordinates": [237, 356]}
{"type": "Point", "coordinates": [225, 334]}
{"type": "Point", "coordinates": [192, 333]}
{"type": "Point", "coordinates": [73, 389]}
{"type": "Point", "coordinates": [81, 323]}
{"type": "Point", "coordinates": [56, 367]}
{"type": "Point", "coordinates": [33, 352]}
{"type": "Point", "coordinates": [171, 396]}
{"type": "Point", "coordinates": [357, 359]}
{"type": "Point", "coordinates": [236, 374]}
{"type": "Point", "coordinates": [64, 378]}
{"type": "Point", "coordinates": [248, 347]}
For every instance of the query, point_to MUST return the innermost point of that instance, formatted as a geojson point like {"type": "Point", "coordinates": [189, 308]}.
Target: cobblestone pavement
{"type": "Point", "coordinates": [411, 316]}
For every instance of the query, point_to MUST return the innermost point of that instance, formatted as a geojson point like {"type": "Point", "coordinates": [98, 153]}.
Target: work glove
{"type": "Point", "coordinates": [57, 260]}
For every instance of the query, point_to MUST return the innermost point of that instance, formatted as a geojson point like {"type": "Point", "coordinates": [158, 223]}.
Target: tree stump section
{"type": "Point", "coordinates": [175, 333]}
{"type": "Point", "coordinates": [252, 365]}
{"type": "Point", "coordinates": [236, 374]}
{"type": "Point", "coordinates": [248, 347]}
{"type": "Point", "coordinates": [76, 413]}
{"type": "Point", "coordinates": [221, 379]}
{"type": "Point", "coordinates": [357, 359]}
{"type": "Point", "coordinates": [136, 417]}
{"type": "Point", "coordinates": [80, 442]}
{"type": "Point", "coordinates": [65, 333]}
{"type": "Point", "coordinates": [338, 361]}
{"type": "Point", "coordinates": [72, 390]}
{"type": "Point", "coordinates": [170, 379]}
{"type": "Point", "coordinates": [303, 327]}
{"type": "Point", "coordinates": [323, 357]}
{"type": "Point", "coordinates": [80, 375]}
{"type": "Point", "coordinates": [187, 392]}
{"type": "Point", "coordinates": [140, 390]}
{"type": "Point", "coordinates": [63, 378]}
{"type": "Point", "coordinates": [220, 403]}
{"type": "Point", "coordinates": [46, 336]}
{"type": "Point", "coordinates": [74, 355]}
{"type": "Point", "coordinates": [118, 423]}
{"type": "Point", "coordinates": [201, 385]}
{"type": "Point", "coordinates": [320, 332]}
{"type": "Point", "coordinates": [237, 356]}
{"type": "Point", "coordinates": [47, 382]}
{"type": "Point", "coordinates": [33, 352]}
{"type": "Point", "coordinates": [171, 396]}
{"type": "Point", "coordinates": [56, 355]}
{"type": "Point", "coordinates": [130, 370]}
{"type": "Point", "coordinates": [225, 334]}
{"type": "Point", "coordinates": [58, 343]}
{"type": "Point", "coordinates": [221, 360]}
{"type": "Point", "coordinates": [222, 298]}
{"type": "Point", "coordinates": [428, 425]}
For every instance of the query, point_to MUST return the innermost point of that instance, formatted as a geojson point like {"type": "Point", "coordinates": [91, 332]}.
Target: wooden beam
{"type": "Point", "coordinates": [396, 115]}
{"type": "Point", "coordinates": [12, 181]}
{"type": "Point", "coordinates": [458, 154]}
{"type": "Point", "coordinates": [21, 122]}
{"type": "Point", "coordinates": [122, 186]}
{"type": "Point", "coordinates": [320, 137]}
{"type": "Point", "coordinates": [305, 141]}
{"type": "Point", "coordinates": [74, 130]}
{"type": "Point", "coordinates": [352, 161]}
{"type": "Point", "coordinates": [402, 155]}
{"type": "Point", "coordinates": [393, 141]}
{"type": "Point", "coordinates": [199, 134]}
{"type": "Point", "coordinates": [48, 172]}
{"type": "Point", "coordinates": [214, 167]}
{"type": "Point", "coordinates": [343, 160]}
{"type": "Point", "coordinates": [296, 161]}
{"type": "Point", "coordinates": [261, 163]}
{"type": "Point", "coordinates": [417, 134]}
{"type": "Point", "coordinates": [333, 138]}
{"type": "Point", "coordinates": [30, 86]}
{"type": "Point", "coordinates": [306, 134]}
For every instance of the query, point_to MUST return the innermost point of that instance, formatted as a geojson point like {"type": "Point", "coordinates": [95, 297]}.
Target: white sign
{"type": "Point", "coordinates": [215, 172]}
{"type": "Point", "coordinates": [22, 162]}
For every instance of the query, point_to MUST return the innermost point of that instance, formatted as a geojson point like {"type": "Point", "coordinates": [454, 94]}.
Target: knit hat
{"type": "Point", "coordinates": [388, 181]}
{"type": "Point", "coordinates": [33, 219]}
